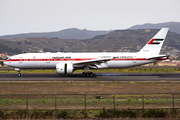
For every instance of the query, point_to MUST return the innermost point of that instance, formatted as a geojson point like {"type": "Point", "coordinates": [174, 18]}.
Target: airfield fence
{"type": "Point", "coordinates": [89, 101]}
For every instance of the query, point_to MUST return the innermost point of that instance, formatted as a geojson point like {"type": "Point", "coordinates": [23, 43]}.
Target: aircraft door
{"type": "Point", "coordinates": [134, 59]}
{"type": "Point", "coordinates": [20, 60]}
{"type": "Point", "coordinates": [48, 59]}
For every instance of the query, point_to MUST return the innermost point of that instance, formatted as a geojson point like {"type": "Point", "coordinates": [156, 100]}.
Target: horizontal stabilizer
{"type": "Point", "coordinates": [158, 57]}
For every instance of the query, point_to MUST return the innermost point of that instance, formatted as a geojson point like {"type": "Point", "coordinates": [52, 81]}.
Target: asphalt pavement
{"type": "Point", "coordinates": [97, 77]}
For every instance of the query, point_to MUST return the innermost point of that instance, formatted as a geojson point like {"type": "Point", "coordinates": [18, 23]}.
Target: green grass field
{"type": "Point", "coordinates": [78, 102]}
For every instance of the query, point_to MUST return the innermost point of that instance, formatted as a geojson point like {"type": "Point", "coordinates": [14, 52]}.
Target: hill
{"type": "Point", "coordinates": [72, 33]}
{"type": "Point", "coordinates": [173, 26]}
{"type": "Point", "coordinates": [119, 40]}
{"type": "Point", "coordinates": [131, 39]}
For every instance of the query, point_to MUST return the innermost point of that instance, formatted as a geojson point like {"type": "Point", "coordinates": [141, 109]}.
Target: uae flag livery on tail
{"type": "Point", "coordinates": [155, 41]}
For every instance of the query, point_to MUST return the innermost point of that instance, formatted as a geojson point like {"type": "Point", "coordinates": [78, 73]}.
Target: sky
{"type": "Point", "coordinates": [26, 16]}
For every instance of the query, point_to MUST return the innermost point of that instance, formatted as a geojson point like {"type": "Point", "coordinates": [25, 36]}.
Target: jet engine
{"type": "Point", "coordinates": [64, 68]}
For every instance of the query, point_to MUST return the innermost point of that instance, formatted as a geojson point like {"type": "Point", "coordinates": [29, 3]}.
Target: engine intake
{"type": "Point", "coordinates": [64, 68]}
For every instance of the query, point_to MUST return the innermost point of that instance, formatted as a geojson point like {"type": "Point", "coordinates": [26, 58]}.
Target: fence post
{"type": "Point", "coordinates": [26, 102]}
{"type": "Point", "coordinates": [173, 100]}
{"type": "Point", "coordinates": [85, 101]}
{"type": "Point", "coordinates": [114, 101]}
{"type": "Point", "coordinates": [56, 107]}
{"type": "Point", "coordinates": [55, 103]}
{"type": "Point", "coordinates": [143, 101]}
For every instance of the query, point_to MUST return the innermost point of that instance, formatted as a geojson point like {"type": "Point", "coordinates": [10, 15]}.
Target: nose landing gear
{"type": "Point", "coordinates": [19, 74]}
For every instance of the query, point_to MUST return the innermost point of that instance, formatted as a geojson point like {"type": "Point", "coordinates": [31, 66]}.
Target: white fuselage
{"type": "Point", "coordinates": [49, 60]}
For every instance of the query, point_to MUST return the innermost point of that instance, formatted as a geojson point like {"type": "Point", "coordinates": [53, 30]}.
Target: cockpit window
{"type": "Point", "coordinates": [9, 59]}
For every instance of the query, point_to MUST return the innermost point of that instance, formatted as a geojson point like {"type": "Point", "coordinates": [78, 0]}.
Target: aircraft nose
{"type": "Point", "coordinates": [5, 62]}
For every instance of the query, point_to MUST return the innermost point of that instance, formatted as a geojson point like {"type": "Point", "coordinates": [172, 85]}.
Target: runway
{"type": "Point", "coordinates": [98, 77]}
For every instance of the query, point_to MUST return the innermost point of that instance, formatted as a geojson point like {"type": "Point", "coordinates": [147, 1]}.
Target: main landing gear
{"type": "Point", "coordinates": [87, 74]}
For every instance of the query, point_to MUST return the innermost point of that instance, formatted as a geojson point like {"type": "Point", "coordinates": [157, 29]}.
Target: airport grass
{"type": "Point", "coordinates": [128, 70]}
{"type": "Point", "coordinates": [71, 94]}
{"type": "Point", "coordinates": [89, 87]}
{"type": "Point", "coordinates": [48, 102]}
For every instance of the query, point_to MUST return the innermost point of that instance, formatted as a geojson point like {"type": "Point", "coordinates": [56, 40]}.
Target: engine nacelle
{"type": "Point", "coordinates": [64, 68]}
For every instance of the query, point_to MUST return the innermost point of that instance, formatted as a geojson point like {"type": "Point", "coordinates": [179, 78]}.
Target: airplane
{"type": "Point", "coordinates": [67, 63]}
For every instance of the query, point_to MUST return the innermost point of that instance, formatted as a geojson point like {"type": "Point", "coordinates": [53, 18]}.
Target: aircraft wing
{"type": "Point", "coordinates": [95, 61]}
{"type": "Point", "coordinates": [158, 57]}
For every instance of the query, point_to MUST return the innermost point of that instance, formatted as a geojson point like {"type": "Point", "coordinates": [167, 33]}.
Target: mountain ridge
{"type": "Point", "coordinates": [71, 33]}
{"type": "Point", "coordinates": [75, 33]}
{"type": "Point", "coordinates": [115, 41]}
{"type": "Point", "coordinates": [173, 26]}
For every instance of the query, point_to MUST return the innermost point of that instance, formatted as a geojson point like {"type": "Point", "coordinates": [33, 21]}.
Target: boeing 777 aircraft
{"type": "Point", "coordinates": [67, 63]}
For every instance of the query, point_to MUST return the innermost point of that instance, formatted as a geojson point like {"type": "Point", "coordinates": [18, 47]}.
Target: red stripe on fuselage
{"type": "Point", "coordinates": [82, 59]}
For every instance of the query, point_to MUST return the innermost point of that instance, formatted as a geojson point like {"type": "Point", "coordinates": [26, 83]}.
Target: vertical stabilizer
{"type": "Point", "coordinates": [155, 44]}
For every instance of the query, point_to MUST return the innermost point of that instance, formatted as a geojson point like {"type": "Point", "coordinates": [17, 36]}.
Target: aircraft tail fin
{"type": "Point", "coordinates": [155, 44]}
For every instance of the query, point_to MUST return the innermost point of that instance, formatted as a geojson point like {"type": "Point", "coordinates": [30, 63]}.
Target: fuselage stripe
{"type": "Point", "coordinates": [82, 59]}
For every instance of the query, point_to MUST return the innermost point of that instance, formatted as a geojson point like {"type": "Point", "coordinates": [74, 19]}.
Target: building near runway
{"type": "Point", "coordinates": [165, 63]}
{"type": "Point", "coordinates": [169, 63]}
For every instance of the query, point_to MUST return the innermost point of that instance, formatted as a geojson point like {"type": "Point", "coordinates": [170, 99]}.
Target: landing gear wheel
{"type": "Point", "coordinates": [91, 74]}
{"type": "Point", "coordinates": [19, 74]}
{"type": "Point", "coordinates": [87, 74]}
{"type": "Point", "coordinates": [83, 74]}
